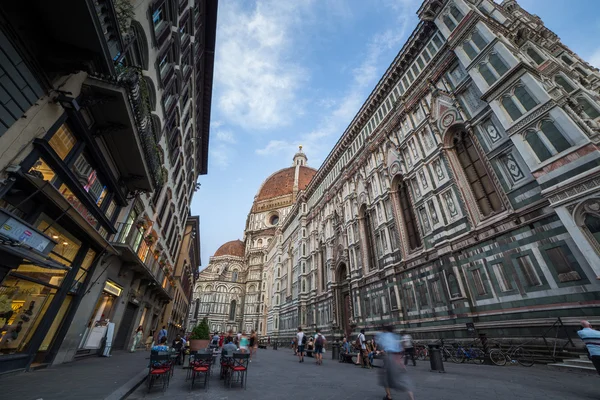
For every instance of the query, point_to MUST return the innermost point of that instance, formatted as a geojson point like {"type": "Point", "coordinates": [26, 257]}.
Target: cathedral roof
{"type": "Point", "coordinates": [281, 183]}
{"type": "Point", "coordinates": [234, 248]}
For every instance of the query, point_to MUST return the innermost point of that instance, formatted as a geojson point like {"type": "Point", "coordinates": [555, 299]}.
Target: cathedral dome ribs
{"type": "Point", "coordinates": [234, 248]}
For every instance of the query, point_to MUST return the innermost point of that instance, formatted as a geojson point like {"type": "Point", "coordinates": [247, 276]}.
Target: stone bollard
{"type": "Point", "coordinates": [335, 350]}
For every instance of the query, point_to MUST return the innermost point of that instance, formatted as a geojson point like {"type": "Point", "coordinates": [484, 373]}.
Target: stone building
{"type": "Point", "coordinates": [104, 124]}
{"type": "Point", "coordinates": [465, 190]}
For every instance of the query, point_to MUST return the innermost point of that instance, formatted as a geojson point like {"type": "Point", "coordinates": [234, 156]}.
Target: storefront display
{"type": "Point", "coordinates": [98, 325]}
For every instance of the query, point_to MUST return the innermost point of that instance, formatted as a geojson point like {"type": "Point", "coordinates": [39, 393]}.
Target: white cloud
{"type": "Point", "coordinates": [595, 58]}
{"type": "Point", "coordinates": [256, 78]}
{"type": "Point", "coordinates": [226, 136]}
{"type": "Point", "coordinates": [220, 155]}
{"type": "Point", "coordinates": [365, 76]}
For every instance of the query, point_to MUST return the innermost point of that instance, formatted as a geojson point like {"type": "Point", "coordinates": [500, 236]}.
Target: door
{"type": "Point", "coordinates": [125, 328]}
{"type": "Point", "coordinates": [346, 317]}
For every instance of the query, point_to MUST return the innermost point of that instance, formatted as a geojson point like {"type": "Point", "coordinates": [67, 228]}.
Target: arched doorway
{"type": "Point", "coordinates": [343, 295]}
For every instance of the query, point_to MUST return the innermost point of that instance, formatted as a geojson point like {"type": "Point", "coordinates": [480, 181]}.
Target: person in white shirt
{"type": "Point", "coordinates": [363, 348]}
{"type": "Point", "coordinates": [409, 349]}
{"type": "Point", "coordinates": [301, 339]}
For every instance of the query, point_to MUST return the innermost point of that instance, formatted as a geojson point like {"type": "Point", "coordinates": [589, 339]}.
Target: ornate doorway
{"type": "Point", "coordinates": [343, 291]}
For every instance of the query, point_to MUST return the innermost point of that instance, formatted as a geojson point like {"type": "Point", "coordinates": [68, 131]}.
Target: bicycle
{"type": "Point", "coordinates": [470, 354]}
{"type": "Point", "coordinates": [512, 355]}
{"type": "Point", "coordinates": [422, 353]}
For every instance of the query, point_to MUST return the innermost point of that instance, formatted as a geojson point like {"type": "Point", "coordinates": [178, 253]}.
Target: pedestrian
{"type": "Point", "coordinates": [253, 344]}
{"type": "Point", "coordinates": [320, 342]}
{"type": "Point", "coordinates": [301, 339]}
{"type": "Point", "coordinates": [149, 341]}
{"type": "Point", "coordinates": [591, 338]}
{"type": "Point", "coordinates": [244, 342]}
{"type": "Point", "coordinates": [221, 339]}
{"type": "Point", "coordinates": [162, 345]}
{"type": "Point", "coordinates": [362, 345]}
{"type": "Point", "coordinates": [162, 333]}
{"type": "Point", "coordinates": [178, 346]}
{"type": "Point", "coordinates": [393, 375]}
{"type": "Point", "coordinates": [137, 338]}
{"type": "Point", "coordinates": [409, 348]}
{"type": "Point", "coordinates": [215, 340]}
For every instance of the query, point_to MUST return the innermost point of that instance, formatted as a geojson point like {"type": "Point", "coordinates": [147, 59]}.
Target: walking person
{"type": "Point", "coordinates": [409, 348]}
{"type": "Point", "coordinates": [137, 338]}
{"type": "Point", "coordinates": [162, 334]}
{"type": "Point", "coordinates": [301, 339]}
{"type": "Point", "coordinates": [591, 338]}
{"type": "Point", "coordinates": [149, 341]}
{"type": "Point", "coordinates": [393, 375]}
{"type": "Point", "coordinates": [253, 344]}
{"type": "Point", "coordinates": [319, 345]}
{"type": "Point", "coordinates": [244, 341]}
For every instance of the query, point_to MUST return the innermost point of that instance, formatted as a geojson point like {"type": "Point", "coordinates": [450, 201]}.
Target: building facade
{"type": "Point", "coordinates": [465, 190]}
{"type": "Point", "coordinates": [104, 123]}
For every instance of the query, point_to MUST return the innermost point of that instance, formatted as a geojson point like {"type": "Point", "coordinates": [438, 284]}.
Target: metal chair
{"type": "Point", "coordinates": [201, 365]}
{"type": "Point", "coordinates": [239, 366]}
{"type": "Point", "coordinates": [160, 368]}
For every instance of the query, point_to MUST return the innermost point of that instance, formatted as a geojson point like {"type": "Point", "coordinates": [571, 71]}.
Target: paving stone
{"type": "Point", "coordinates": [92, 378]}
{"type": "Point", "coordinates": [277, 375]}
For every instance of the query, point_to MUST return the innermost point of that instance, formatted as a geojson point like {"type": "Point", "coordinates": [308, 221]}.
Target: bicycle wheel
{"type": "Point", "coordinates": [523, 357]}
{"type": "Point", "coordinates": [457, 356]}
{"type": "Point", "coordinates": [498, 357]}
{"type": "Point", "coordinates": [477, 355]}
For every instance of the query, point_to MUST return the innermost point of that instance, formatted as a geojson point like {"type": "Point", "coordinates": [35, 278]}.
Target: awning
{"type": "Point", "coordinates": [32, 257]}
{"type": "Point", "coordinates": [62, 203]}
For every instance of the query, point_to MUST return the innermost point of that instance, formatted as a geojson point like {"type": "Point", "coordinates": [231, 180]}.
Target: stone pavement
{"type": "Point", "coordinates": [277, 375]}
{"type": "Point", "coordinates": [92, 378]}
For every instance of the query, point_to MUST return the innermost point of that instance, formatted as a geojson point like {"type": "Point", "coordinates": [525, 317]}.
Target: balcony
{"type": "Point", "coordinates": [138, 253]}
{"type": "Point", "coordinates": [121, 110]}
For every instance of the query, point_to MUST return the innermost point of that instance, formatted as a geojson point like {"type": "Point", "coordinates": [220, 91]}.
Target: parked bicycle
{"type": "Point", "coordinates": [461, 353]}
{"type": "Point", "coordinates": [422, 353]}
{"type": "Point", "coordinates": [515, 354]}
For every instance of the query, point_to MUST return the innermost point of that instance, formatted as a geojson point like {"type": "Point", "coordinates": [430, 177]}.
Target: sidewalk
{"type": "Point", "coordinates": [93, 378]}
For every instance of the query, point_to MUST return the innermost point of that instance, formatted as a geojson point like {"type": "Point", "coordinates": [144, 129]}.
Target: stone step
{"type": "Point", "coordinates": [577, 369]}
{"type": "Point", "coordinates": [579, 362]}
{"type": "Point", "coordinates": [584, 357]}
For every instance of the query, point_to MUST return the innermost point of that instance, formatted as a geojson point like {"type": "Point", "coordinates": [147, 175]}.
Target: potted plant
{"type": "Point", "coordinates": [156, 254]}
{"type": "Point", "coordinates": [149, 239]}
{"type": "Point", "coordinates": [200, 336]}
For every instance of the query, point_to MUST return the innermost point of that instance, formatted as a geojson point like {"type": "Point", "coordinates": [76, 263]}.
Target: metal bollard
{"type": "Point", "coordinates": [274, 345]}
{"type": "Point", "coordinates": [435, 358]}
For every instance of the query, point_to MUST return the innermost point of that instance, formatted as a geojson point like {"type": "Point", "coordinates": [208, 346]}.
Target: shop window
{"type": "Point", "coordinates": [83, 270]}
{"type": "Point", "coordinates": [43, 171]}
{"type": "Point", "coordinates": [547, 140]}
{"type": "Point", "coordinates": [88, 178]}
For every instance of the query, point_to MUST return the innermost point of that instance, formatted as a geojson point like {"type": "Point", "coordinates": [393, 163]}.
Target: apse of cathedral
{"type": "Point", "coordinates": [465, 191]}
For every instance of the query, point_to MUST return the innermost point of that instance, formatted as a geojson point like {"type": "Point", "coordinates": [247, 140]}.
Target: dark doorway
{"type": "Point", "coordinates": [125, 328]}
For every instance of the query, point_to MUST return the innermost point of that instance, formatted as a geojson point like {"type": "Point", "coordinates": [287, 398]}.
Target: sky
{"type": "Point", "coordinates": [296, 72]}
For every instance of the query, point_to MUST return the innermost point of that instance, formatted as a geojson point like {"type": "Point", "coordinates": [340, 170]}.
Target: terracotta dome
{"type": "Point", "coordinates": [281, 183]}
{"type": "Point", "coordinates": [234, 248]}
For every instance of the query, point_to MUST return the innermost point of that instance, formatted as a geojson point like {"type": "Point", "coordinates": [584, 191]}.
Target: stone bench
{"type": "Point", "coordinates": [347, 357]}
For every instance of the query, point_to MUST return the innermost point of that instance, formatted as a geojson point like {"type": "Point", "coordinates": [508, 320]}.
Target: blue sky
{"type": "Point", "coordinates": [296, 72]}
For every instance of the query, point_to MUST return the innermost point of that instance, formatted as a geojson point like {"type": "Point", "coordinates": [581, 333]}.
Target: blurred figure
{"type": "Point", "coordinates": [591, 338]}
{"type": "Point", "coordinates": [393, 374]}
{"type": "Point", "coordinates": [409, 349]}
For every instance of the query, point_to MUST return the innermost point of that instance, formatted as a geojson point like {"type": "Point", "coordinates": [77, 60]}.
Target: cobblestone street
{"type": "Point", "coordinates": [278, 375]}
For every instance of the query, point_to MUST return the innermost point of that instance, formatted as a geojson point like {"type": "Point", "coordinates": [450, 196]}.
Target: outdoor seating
{"type": "Point", "coordinates": [239, 367]}
{"type": "Point", "coordinates": [226, 362]}
{"type": "Point", "coordinates": [347, 357]}
{"type": "Point", "coordinates": [201, 364]}
{"type": "Point", "coordinates": [160, 368]}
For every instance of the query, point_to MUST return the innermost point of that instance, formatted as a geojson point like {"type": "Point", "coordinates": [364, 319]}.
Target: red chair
{"type": "Point", "coordinates": [160, 368]}
{"type": "Point", "coordinates": [239, 367]}
{"type": "Point", "coordinates": [201, 365]}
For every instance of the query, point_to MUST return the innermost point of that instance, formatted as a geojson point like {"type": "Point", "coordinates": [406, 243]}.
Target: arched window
{"type": "Point", "coordinates": [592, 223]}
{"type": "Point", "coordinates": [485, 72]}
{"type": "Point", "coordinates": [492, 68]}
{"type": "Point", "coordinates": [453, 286]}
{"type": "Point", "coordinates": [197, 308]}
{"type": "Point", "coordinates": [234, 276]}
{"type": "Point", "coordinates": [535, 56]}
{"type": "Point", "coordinates": [474, 44]}
{"type": "Point", "coordinates": [518, 102]}
{"type": "Point", "coordinates": [559, 79]}
{"type": "Point", "coordinates": [524, 98]}
{"type": "Point", "coordinates": [498, 64]}
{"type": "Point", "coordinates": [469, 50]}
{"type": "Point", "coordinates": [477, 177]}
{"type": "Point", "coordinates": [456, 13]}
{"type": "Point", "coordinates": [232, 310]}
{"type": "Point", "coordinates": [547, 140]}
{"type": "Point", "coordinates": [408, 215]}
{"type": "Point", "coordinates": [323, 266]}
{"type": "Point", "coordinates": [303, 285]}
{"type": "Point", "coordinates": [479, 41]}
{"type": "Point", "coordinates": [367, 231]}
{"type": "Point", "coordinates": [588, 108]}
{"type": "Point", "coordinates": [511, 108]}
{"type": "Point", "coordinates": [278, 272]}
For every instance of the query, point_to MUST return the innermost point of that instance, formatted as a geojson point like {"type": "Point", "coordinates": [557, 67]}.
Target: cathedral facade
{"type": "Point", "coordinates": [465, 190]}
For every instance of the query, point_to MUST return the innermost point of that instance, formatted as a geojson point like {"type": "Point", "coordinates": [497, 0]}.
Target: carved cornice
{"type": "Point", "coordinates": [531, 118]}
